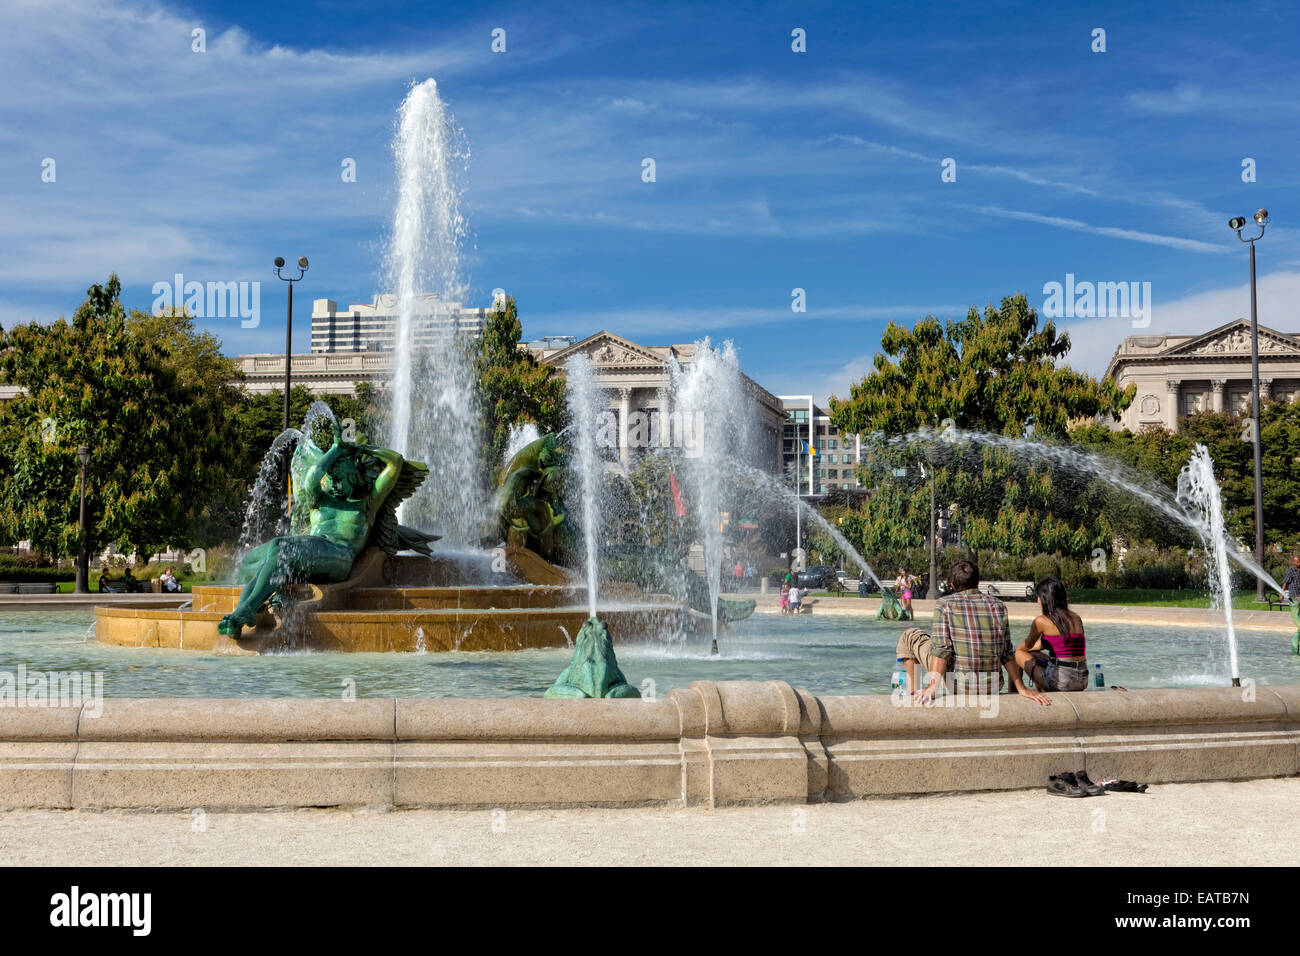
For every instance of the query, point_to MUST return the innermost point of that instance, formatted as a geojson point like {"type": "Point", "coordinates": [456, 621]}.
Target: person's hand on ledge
{"type": "Point", "coordinates": [1042, 698]}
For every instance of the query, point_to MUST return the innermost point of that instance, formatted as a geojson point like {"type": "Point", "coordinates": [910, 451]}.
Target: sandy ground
{"type": "Point", "coordinates": [1246, 823]}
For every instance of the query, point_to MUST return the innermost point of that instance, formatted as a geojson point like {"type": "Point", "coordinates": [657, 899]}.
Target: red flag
{"type": "Point", "coordinates": [678, 504]}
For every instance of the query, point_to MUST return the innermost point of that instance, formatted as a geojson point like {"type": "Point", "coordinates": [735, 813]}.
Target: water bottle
{"type": "Point", "coordinates": [899, 680]}
{"type": "Point", "coordinates": [1100, 680]}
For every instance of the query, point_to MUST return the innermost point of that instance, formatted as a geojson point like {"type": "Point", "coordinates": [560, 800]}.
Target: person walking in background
{"type": "Point", "coordinates": [1053, 655]}
{"type": "Point", "coordinates": [1291, 583]}
{"type": "Point", "coordinates": [970, 643]}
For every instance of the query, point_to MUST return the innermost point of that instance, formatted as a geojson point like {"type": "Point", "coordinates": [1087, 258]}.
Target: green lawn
{"type": "Point", "coordinates": [1150, 597]}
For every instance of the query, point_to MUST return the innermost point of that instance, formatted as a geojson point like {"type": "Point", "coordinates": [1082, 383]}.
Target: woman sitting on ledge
{"type": "Point", "coordinates": [1053, 653]}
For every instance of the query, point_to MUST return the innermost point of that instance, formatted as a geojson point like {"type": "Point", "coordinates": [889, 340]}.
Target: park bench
{"type": "Point", "coordinates": [36, 587]}
{"type": "Point", "coordinates": [1278, 602]}
{"type": "Point", "coordinates": [1008, 589]}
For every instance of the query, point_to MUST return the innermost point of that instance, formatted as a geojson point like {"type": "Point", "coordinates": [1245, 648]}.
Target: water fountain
{"type": "Point", "coordinates": [593, 671]}
{"type": "Point", "coordinates": [463, 597]}
{"type": "Point", "coordinates": [708, 394]}
{"type": "Point", "coordinates": [1198, 492]}
{"type": "Point", "coordinates": [433, 395]}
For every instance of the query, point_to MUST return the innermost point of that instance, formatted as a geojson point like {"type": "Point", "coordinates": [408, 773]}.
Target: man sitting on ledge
{"type": "Point", "coordinates": [971, 641]}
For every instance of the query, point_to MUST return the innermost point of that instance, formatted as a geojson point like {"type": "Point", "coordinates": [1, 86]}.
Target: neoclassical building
{"type": "Point", "coordinates": [637, 382]}
{"type": "Point", "coordinates": [1180, 375]}
{"type": "Point", "coordinates": [634, 378]}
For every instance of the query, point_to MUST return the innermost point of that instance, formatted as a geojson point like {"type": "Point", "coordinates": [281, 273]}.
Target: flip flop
{"type": "Point", "coordinates": [1094, 790]}
{"type": "Point", "coordinates": [1124, 786]}
{"type": "Point", "coordinates": [1060, 787]}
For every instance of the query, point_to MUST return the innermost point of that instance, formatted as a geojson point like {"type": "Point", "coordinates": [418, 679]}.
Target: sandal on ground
{"type": "Point", "coordinates": [1094, 790]}
{"type": "Point", "coordinates": [1061, 787]}
{"type": "Point", "coordinates": [1124, 786]}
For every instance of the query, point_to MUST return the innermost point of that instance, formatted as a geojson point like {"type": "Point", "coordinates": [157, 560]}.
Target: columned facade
{"type": "Point", "coordinates": [637, 382]}
{"type": "Point", "coordinates": [1181, 375]}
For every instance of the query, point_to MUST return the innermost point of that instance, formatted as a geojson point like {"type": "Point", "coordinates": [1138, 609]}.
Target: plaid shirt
{"type": "Point", "coordinates": [971, 633]}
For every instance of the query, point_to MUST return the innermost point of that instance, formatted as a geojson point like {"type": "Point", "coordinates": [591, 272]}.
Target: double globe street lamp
{"type": "Point", "coordinates": [1237, 224]}
{"type": "Point", "coordinates": [288, 325]}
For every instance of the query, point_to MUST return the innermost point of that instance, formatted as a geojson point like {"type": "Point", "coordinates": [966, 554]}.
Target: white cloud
{"type": "Point", "coordinates": [1093, 342]}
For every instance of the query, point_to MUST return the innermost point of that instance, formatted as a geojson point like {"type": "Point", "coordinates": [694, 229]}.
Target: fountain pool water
{"type": "Point", "coordinates": [827, 653]}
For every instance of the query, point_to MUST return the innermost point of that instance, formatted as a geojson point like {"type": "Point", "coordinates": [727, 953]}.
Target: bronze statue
{"type": "Point", "coordinates": [348, 498]}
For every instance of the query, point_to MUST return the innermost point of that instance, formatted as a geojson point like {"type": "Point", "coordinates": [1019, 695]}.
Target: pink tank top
{"type": "Point", "coordinates": [1069, 645]}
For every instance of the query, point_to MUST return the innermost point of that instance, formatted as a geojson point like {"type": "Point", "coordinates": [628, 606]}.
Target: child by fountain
{"type": "Point", "coordinates": [785, 599]}
{"type": "Point", "coordinates": [1053, 653]}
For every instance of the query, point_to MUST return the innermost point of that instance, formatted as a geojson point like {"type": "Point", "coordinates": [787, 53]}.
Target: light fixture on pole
{"type": "Point", "coordinates": [288, 325]}
{"type": "Point", "coordinates": [1236, 224]}
{"type": "Point", "coordinates": [83, 552]}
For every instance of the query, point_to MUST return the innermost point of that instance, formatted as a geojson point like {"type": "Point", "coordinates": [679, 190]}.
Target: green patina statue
{"type": "Point", "coordinates": [891, 609]}
{"type": "Point", "coordinates": [347, 497]}
{"type": "Point", "coordinates": [530, 499]}
{"type": "Point", "coordinates": [593, 671]}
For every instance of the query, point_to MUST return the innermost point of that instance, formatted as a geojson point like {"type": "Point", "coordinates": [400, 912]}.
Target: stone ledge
{"type": "Point", "coordinates": [710, 744]}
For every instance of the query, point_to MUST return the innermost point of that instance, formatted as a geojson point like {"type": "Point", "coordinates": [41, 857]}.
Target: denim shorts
{"type": "Point", "coordinates": [1048, 673]}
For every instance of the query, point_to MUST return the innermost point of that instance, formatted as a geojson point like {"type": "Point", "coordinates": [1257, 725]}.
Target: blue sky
{"type": "Point", "coordinates": [775, 170]}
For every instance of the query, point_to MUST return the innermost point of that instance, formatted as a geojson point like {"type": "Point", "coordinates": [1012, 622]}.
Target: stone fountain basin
{"type": "Point", "coordinates": [429, 629]}
{"type": "Point", "coordinates": [403, 604]}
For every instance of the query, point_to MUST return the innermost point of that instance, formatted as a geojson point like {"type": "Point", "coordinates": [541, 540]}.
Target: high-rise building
{"type": "Point", "coordinates": [834, 467]}
{"type": "Point", "coordinates": [373, 327]}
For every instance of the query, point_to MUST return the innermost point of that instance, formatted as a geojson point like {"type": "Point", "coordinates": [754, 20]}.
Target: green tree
{"type": "Point", "coordinates": [513, 387]}
{"type": "Point", "coordinates": [998, 372]}
{"type": "Point", "coordinates": [156, 440]}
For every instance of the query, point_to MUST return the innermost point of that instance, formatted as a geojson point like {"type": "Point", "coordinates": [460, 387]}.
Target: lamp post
{"type": "Point", "coordinates": [1236, 224]}
{"type": "Point", "coordinates": [83, 553]}
{"type": "Point", "coordinates": [288, 325]}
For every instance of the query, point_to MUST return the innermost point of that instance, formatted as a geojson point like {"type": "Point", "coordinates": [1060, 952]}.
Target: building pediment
{"type": "Point", "coordinates": [607, 350]}
{"type": "Point", "coordinates": [1234, 339]}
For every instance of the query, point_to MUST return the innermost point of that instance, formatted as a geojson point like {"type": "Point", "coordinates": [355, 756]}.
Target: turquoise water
{"type": "Point", "coordinates": [827, 653]}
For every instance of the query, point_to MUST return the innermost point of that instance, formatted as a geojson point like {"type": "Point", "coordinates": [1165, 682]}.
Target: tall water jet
{"type": "Point", "coordinates": [1199, 493]}
{"type": "Point", "coordinates": [593, 670]}
{"type": "Point", "coordinates": [434, 415]}
{"type": "Point", "coordinates": [709, 401]}
{"type": "Point", "coordinates": [583, 400]}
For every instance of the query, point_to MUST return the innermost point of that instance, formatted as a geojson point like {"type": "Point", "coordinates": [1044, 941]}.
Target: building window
{"type": "Point", "coordinates": [833, 473]}
{"type": "Point", "coordinates": [1194, 402]}
{"type": "Point", "coordinates": [831, 444]}
{"type": "Point", "coordinates": [1239, 402]}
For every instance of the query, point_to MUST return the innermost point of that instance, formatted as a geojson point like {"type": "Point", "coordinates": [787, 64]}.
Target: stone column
{"type": "Point", "coordinates": [624, 412]}
{"type": "Point", "coordinates": [1217, 398]}
{"type": "Point", "coordinates": [1265, 389]}
{"type": "Point", "coordinates": [1174, 410]}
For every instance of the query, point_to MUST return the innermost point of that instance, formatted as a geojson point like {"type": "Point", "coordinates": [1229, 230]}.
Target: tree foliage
{"type": "Point", "coordinates": [513, 387]}
{"type": "Point", "coordinates": [157, 435]}
{"type": "Point", "coordinates": [998, 372]}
